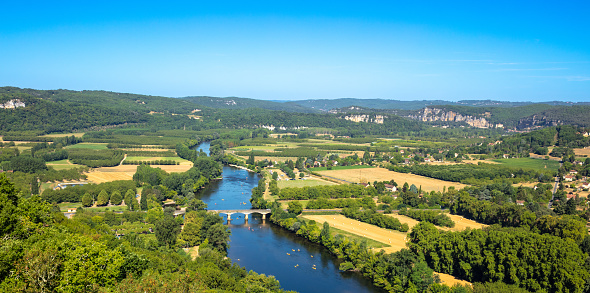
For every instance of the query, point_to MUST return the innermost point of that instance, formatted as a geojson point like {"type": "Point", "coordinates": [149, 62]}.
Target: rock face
{"type": "Point", "coordinates": [366, 118]}
{"type": "Point", "coordinates": [435, 114]}
{"type": "Point", "coordinates": [15, 103]}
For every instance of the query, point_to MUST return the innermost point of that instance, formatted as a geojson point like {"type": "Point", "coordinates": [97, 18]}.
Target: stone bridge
{"type": "Point", "coordinates": [263, 212]}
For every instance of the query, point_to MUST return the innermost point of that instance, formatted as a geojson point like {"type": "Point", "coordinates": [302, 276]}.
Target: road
{"type": "Point", "coordinates": [554, 188]}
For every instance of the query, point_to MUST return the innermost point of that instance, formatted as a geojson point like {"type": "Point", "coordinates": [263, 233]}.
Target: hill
{"type": "Point", "coordinates": [244, 103]}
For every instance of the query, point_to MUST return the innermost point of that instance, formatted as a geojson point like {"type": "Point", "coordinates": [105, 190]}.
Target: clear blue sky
{"type": "Point", "coordinates": [452, 50]}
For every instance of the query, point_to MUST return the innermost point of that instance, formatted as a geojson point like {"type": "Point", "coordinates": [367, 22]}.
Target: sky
{"type": "Point", "coordinates": [293, 50]}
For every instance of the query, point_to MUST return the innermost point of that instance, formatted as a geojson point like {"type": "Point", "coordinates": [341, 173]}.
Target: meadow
{"type": "Point", "coordinates": [529, 163]}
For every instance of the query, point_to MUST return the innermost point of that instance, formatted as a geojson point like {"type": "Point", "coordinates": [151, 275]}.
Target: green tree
{"type": "Point", "coordinates": [8, 205]}
{"type": "Point", "coordinates": [116, 198]}
{"type": "Point", "coordinates": [166, 230]}
{"type": "Point", "coordinates": [87, 200]}
{"type": "Point", "coordinates": [143, 204]}
{"type": "Point", "coordinates": [34, 185]}
{"type": "Point", "coordinates": [129, 198]}
{"type": "Point", "coordinates": [191, 233]}
{"type": "Point", "coordinates": [103, 198]}
{"type": "Point", "coordinates": [218, 236]}
{"type": "Point", "coordinates": [295, 207]}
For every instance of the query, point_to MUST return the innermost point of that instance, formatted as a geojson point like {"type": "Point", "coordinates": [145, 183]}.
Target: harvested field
{"type": "Point", "coordinates": [101, 177]}
{"type": "Point", "coordinates": [77, 134]}
{"type": "Point", "coordinates": [450, 280]}
{"type": "Point", "coordinates": [395, 239]}
{"type": "Point", "coordinates": [381, 174]}
{"type": "Point", "coordinates": [584, 152]}
{"type": "Point", "coordinates": [462, 224]}
{"type": "Point", "coordinates": [147, 149]}
{"type": "Point", "coordinates": [125, 172]}
{"type": "Point", "coordinates": [271, 159]}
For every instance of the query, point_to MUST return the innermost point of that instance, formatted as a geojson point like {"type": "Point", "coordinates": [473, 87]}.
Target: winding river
{"type": "Point", "coordinates": [258, 245]}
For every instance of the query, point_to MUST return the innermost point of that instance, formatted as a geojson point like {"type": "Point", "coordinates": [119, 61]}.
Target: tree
{"type": "Point", "coordinates": [143, 204]}
{"type": "Point", "coordinates": [218, 236]}
{"type": "Point", "coordinates": [8, 206]}
{"type": "Point", "coordinates": [295, 207]}
{"type": "Point", "coordinates": [250, 160]}
{"type": "Point", "coordinates": [87, 200]}
{"type": "Point", "coordinates": [196, 205]}
{"type": "Point", "coordinates": [191, 233]}
{"type": "Point", "coordinates": [103, 198]}
{"type": "Point", "coordinates": [116, 198]}
{"type": "Point", "coordinates": [34, 185]}
{"type": "Point", "coordinates": [129, 198]}
{"type": "Point", "coordinates": [301, 175]}
{"type": "Point", "coordinates": [167, 230]}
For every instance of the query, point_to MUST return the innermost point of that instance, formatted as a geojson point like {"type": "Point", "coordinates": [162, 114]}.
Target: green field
{"type": "Point", "coordinates": [302, 183]}
{"type": "Point", "coordinates": [341, 167]}
{"type": "Point", "coordinates": [529, 163]}
{"type": "Point", "coordinates": [62, 165]}
{"type": "Point", "coordinates": [88, 145]}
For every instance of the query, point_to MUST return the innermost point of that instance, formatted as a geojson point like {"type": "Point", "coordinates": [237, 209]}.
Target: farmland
{"type": "Point", "coordinates": [380, 174]}
{"type": "Point", "coordinates": [92, 146]}
{"type": "Point", "coordinates": [529, 163]}
{"type": "Point", "coordinates": [303, 183]}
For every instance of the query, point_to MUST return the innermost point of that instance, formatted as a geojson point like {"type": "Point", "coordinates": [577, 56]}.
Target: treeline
{"type": "Point", "coordinates": [96, 158]}
{"type": "Point", "coordinates": [435, 217]}
{"type": "Point", "coordinates": [327, 191]}
{"type": "Point", "coordinates": [284, 152]}
{"type": "Point", "coordinates": [324, 203]}
{"type": "Point", "coordinates": [375, 218]}
{"type": "Point", "coordinates": [75, 193]}
{"type": "Point", "coordinates": [154, 162]}
{"type": "Point", "coordinates": [257, 199]}
{"type": "Point", "coordinates": [150, 153]}
{"type": "Point", "coordinates": [513, 215]}
{"type": "Point", "coordinates": [470, 173]}
{"type": "Point", "coordinates": [529, 260]}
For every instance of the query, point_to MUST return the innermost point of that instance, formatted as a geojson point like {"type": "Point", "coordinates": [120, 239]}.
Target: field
{"type": "Point", "coordinates": [460, 222]}
{"type": "Point", "coordinates": [88, 145]}
{"type": "Point", "coordinates": [380, 174]}
{"type": "Point", "coordinates": [77, 134]}
{"type": "Point", "coordinates": [584, 152]}
{"type": "Point", "coordinates": [177, 159]}
{"type": "Point", "coordinates": [396, 240]}
{"type": "Point", "coordinates": [303, 183]}
{"type": "Point", "coordinates": [450, 280]}
{"type": "Point", "coordinates": [529, 163]}
{"type": "Point", "coordinates": [63, 164]}
{"type": "Point", "coordinates": [125, 172]}
{"type": "Point", "coordinates": [342, 168]}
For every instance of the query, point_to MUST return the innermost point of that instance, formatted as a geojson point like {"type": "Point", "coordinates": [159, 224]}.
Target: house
{"type": "Point", "coordinates": [570, 195]}
{"type": "Point", "coordinates": [520, 202]}
{"type": "Point", "coordinates": [427, 160]}
{"type": "Point", "coordinates": [569, 178]}
{"type": "Point", "coordinates": [578, 163]}
{"type": "Point", "coordinates": [390, 187]}
{"type": "Point", "coordinates": [364, 184]}
{"type": "Point", "coordinates": [406, 161]}
{"type": "Point", "coordinates": [586, 185]}
{"type": "Point", "coordinates": [573, 172]}
{"type": "Point", "coordinates": [71, 210]}
{"type": "Point", "coordinates": [506, 156]}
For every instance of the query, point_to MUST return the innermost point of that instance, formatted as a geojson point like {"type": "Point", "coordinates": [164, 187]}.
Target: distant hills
{"type": "Point", "coordinates": [89, 108]}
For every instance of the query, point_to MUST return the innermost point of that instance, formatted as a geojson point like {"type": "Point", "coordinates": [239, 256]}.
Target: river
{"type": "Point", "coordinates": [268, 249]}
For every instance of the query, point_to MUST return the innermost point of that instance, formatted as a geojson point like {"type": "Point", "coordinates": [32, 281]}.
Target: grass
{"type": "Point", "coordinates": [88, 145]}
{"type": "Point", "coordinates": [370, 242]}
{"type": "Point", "coordinates": [529, 163]}
{"type": "Point", "coordinates": [62, 165]}
{"type": "Point", "coordinates": [64, 206]}
{"type": "Point", "coordinates": [302, 183]}
{"type": "Point", "coordinates": [342, 167]}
